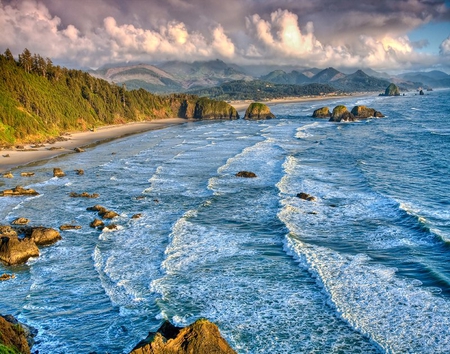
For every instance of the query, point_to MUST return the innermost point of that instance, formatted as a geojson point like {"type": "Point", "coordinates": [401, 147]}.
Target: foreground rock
{"type": "Point", "coordinates": [246, 174]}
{"type": "Point", "coordinates": [258, 111]}
{"type": "Point", "coordinates": [18, 191]}
{"type": "Point", "coordinates": [43, 236]}
{"type": "Point", "coordinates": [323, 112]}
{"type": "Point", "coordinates": [201, 337]}
{"type": "Point", "coordinates": [15, 337]}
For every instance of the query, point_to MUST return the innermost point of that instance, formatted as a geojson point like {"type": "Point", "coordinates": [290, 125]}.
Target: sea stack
{"type": "Point", "coordinates": [258, 111]}
{"type": "Point", "coordinates": [392, 90]}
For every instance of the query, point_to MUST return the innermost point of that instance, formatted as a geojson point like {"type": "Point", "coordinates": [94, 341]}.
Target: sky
{"type": "Point", "coordinates": [385, 35]}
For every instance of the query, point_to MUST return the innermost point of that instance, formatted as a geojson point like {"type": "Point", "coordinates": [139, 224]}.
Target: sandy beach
{"type": "Point", "coordinates": [11, 159]}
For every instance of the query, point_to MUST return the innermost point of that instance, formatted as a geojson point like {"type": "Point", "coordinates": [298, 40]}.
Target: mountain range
{"type": "Point", "coordinates": [178, 76]}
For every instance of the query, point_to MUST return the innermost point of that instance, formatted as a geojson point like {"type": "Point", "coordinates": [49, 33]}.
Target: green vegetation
{"type": "Point", "coordinates": [39, 100]}
{"type": "Point", "coordinates": [8, 350]}
{"type": "Point", "coordinates": [261, 90]}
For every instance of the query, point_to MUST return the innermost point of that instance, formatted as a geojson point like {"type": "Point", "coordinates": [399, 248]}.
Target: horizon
{"type": "Point", "coordinates": [387, 36]}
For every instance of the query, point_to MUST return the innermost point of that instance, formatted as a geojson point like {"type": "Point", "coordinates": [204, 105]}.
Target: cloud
{"type": "Point", "coordinates": [318, 34]}
{"type": "Point", "coordinates": [444, 48]}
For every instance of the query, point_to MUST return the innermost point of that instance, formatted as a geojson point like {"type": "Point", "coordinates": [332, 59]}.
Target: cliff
{"type": "Point", "coordinates": [392, 90]}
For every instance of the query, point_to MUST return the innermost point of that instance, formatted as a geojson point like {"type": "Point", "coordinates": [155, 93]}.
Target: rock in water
{"type": "Point", "coordinates": [246, 174]}
{"type": "Point", "coordinates": [365, 112]}
{"type": "Point", "coordinates": [17, 251]}
{"type": "Point", "coordinates": [392, 90]}
{"type": "Point", "coordinates": [20, 221]}
{"type": "Point", "coordinates": [323, 112]}
{"type": "Point", "coordinates": [44, 236]}
{"type": "Point", "coordinates": [341, 114]}
{"type": "Point", "coordinates": [13, 338]}
{"type": "Point", "coordinates": [18, 191]}
{"type": "Point", "coordinates": [258, 111]}
{"type": "Point", "coordinates": [201, 337]}
{"type": "Point", "coordinates": [57, 172]}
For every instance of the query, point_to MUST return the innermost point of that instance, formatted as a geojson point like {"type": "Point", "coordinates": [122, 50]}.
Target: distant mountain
{"type": "Point", "coordinates": [261, 90]}
{"type": "Point", "coordinates": [433, 78]}
{"type": "Point", "coordinates": [281, 77]}
{"type": "Point", "coordinates": [327, 76]}
{"type": "Point", "coordinates": [360, 81]}
{"type": "Point", "coordinates": [144, 76]}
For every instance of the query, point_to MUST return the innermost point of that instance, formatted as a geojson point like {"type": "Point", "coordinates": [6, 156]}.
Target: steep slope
{"type": "Point", "coordinates": [360, 81]}
{"type": "Point", "coordinates": [281, 77]}
{"type": "Point", "coordinates": [327, 76]}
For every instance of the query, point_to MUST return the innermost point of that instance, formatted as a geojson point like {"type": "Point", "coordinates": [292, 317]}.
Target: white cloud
{"type": "Point", "coordinates": [444, 48]}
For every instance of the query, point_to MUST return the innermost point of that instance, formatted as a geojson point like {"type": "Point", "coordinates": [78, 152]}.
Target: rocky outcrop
{"type": "Point", "coordinates": [8, 175]}
{"type": "Point", "coordinates": [5, 277]}
{"type": "Point", "coordinates": [246, 174]}
{"type": "Point", "coordinates": [14, 336]}
{"type": "Point", "coordinates": [18, 191]}
{"type": "Point", "coordinates": [392, 90]}
{"type": "Point", "coordinates": [78, 149]}
{"type": "Point", "coordinates": [258, 111]}
{"type": "Point", "coordinates": [201, 337]}
{"type": "Point", "coordinates": [323, 112]}
{"type": "Point", "coordinates": [80, 172]}
{"type": "Point", "coordinates": [96, 223]}
{"type": "Point", "coordinates": [66, 227]}
{"type": "Point", "coordinates": [366, 112]}
{"type": "Point", "coordinates": [27, 174]}
{"type": "Point", "coordinates": [83, 195]}
{"type": "Point", "coordinates": [42, 236]}
{"type": "Point", "coordinates": [20, 221]}
{"type": "Point", "coordinates": [421, 93]}
{"type": "Point", "coordinates": [103, 212]}
{"type": "Point", "coordinates": [206, 108]}
{"type": "Point", "coordinates": [306, 196]}
{"type": "Point", "coordinates": [57, 172]}
{"type": "Point", "coordinates": [341, 114]}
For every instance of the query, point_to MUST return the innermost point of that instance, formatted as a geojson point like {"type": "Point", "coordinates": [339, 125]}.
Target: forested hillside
{"type": "Point", "coordinates": [39, 100]}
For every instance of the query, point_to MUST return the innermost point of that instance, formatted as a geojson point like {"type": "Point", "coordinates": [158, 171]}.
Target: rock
{"type": "Point", "coordinates": [7, 155]}
{"type": "Point", "coordinates": [84, 195]}
{"type": "Point", "coordinates": [78, 149]}
{"type": "Point", "coordinates": [98, 208]}
{"type": "Point", "coordinates": [44, 236]}
{"type": "Point", "coordinates": [108, 214]}
{"type": "Point", "coordinates": [201, 337]}
{"type": "Point", "coordinates": [306, 196]}
{"type": "Point", "coordinates": [18, 191]}
{"type": "Point", "coordinates": [421, 93]}
{"type": "Point", "coordinates": [97, 223]}
{"type": "Point", "coordinates": [13, 338]}
{"type": "Point", "coordinates": [258, 111]}
{"type": "Point", "coordinates": [69, 227]}
{"type": "Point", "coordinates": [8, 175]}
{"type": "Point", "coordinates": [246, 174]}
{"type": "Point", "coordinates": [341, 114]}
{"type": "Point", "coordinates": [20, 221]}
{"type": "Point", "coordinates": [27, 174]}
{"type": "Point", "coordinates": [365, 112]}
{"type": "Point", "coordinates": [79, 172]}
{"type": "Point", "coordinates": [57, 172]}
{"type": "Point", "coordinates": [136, 216]}
{"type": "Point", "coordinates": [17, 251]}
{"type": "Point", "coordinates": [111, 227]}
{"type": "Point", "coordinates": [323, 112]}
{"type": "Point", "coordinates": [392, 90]}
{"type": "Point", "coordinates": [5, 277]}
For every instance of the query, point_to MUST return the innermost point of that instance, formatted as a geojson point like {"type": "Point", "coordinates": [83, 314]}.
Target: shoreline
{"type": "Point", "coordinates": [20, 158]}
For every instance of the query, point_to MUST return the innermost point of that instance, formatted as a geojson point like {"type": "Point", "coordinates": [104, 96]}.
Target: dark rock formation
{"type": "Point", "coordinates": [201, 337]}
{"type": "Point", "coordinates": [20, 221]}
{"type": "Point", "coordinates": [6, 276]}
{"type": "Point", "coordinates": [79, 172]}
{"type": "Point", "coordinates": [69, 227]}
{"type": "Point", "coordinates": [323, 112]}
{"type": "Point", "coordinates": [365, 112]}
{"type": "Point", "coordinates": [97, 223]}
{"type": "Point", "coordinates": [78, 149]}
{"type": "Point", "coordinates": [108, 214]}
{"type": "Point", "coordinates": [84, 195]}
{"type": "Point", "coordinates": [18, 191]}
{"type": "Point", "coordinates": [258, 111]}
{"type": "Point", "coordinates": [341, 114]}
{"type": "Point", "coordinates": [306, 196]}
{"type": "Point", "coordinates": [96, 208]}
{"type": "Point", "coordinates": [246, 174]}
{"type": "Point", "coordinates": [392, 90]}
{"type": "Point", "coordinates": [14, 336]}
{"type": "Point", "coordinates": [421, 93]}
{"type": "Point", "coordinates": [206, 108]}
{"type": "Point", "coordinates": [57, 172]}
{"type": "Point", "coordinates": [136, 216]}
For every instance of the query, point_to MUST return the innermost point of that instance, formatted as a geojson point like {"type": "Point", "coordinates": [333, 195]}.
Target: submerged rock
{"type": "Point", "coordinates": [258, 111]}
{"type": "Point", "coordinates": [201, 337]}
{"type": "Point", "coordinates": [97, 223]}
{"type": "Point", "coordinates": [323, 112]}
{"type": "Point", "coordinates": [83, 195]}
{"type": "Point", "coordinates": [6, 276]}
{"type": "Point", "coordinates": [306, 196]}
{"type": "Point", "coordinates": [246, 174]}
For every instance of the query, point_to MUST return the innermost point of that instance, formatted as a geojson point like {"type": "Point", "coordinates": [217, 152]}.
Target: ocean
{"type": "Point", "coordinates": [363, 269]}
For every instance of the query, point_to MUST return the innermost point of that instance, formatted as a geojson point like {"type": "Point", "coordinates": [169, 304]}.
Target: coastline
{"type": "Point", "coordinates": [18, 158]}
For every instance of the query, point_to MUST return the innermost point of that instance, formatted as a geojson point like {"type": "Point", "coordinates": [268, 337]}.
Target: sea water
{"type": "Point", "coordinates": [363, 269]}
